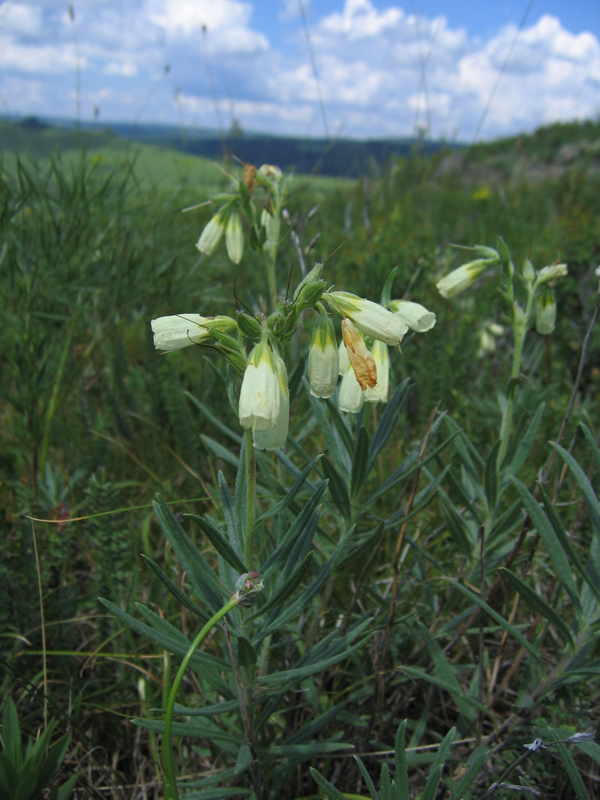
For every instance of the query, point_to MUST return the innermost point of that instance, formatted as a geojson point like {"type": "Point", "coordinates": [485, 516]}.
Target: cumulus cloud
{"type": "Point", "coordinates": [381, 72]}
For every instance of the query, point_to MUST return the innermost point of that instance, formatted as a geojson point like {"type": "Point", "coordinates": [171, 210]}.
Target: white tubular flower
{"type": "Point", "coordinates": [344, 361]}
{"type": "Point", "coordinates": [234, 237]}
{"type": "Point", "coordinates": [549, 273]}
{"type": "Point", "coordinates": [181, 330]}
{"type": "Point", "coordinates": [380, 392]}
{"type": "Point", "coordinates": [545, 312]}
{"type": "Point", "coordinates": [460, 279]}
{"type": "Point", "coordinates": [416, 316]}
{"type": "Point", "coordinates": [274, 437]}
{"type": "Point", "coordinates": [267, 221]}
{"type": "Point", "coordinates": [370, 318]}
{"type": "Point", "coordinates": [270, 171]}
{"type": "Point", "coordinates": [260, 395]}
{"type": "Point", "coordinates": [211, 235]}
{"type": "Point", "coordinates": [351, 396]}
{"type": "Point", "coordinates": [323, 359]}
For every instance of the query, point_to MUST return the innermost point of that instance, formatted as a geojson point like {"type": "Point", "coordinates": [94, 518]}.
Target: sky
{"type": "Point", "coordinates": [460, 70]}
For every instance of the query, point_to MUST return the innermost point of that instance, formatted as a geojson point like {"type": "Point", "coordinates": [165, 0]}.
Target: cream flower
{"type": "Point", "coordinates": [234, 237]}
{"type": "Point", "coordinates": [460, 279]}
{"type": "Point", "coordinates": [351, 396]}
{"type": "Point", "coordinates": [323, 359]}
{"type": "Point", "coordinates": [274, 437]}
{"type": "Point", "coordinates": [545, 312]}
{"type": "Point", "coordinates": [211, 235]}
{"type": "Point", "coordinates": [370, 318]}
{"type": "Point", "coordinates": [260, 395]}
{"type": "Point", "coordinates": [178, 331]}
{"type": "Point", "coordinates": [380, 392]}
{"type": "Point", "coordinates": [416, 316]}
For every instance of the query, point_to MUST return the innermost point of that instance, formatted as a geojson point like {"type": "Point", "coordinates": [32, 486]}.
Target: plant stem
{"type": "Point", "coordinates": [250, 498]}
{"type": "Point", "coordinates": [171, 792]}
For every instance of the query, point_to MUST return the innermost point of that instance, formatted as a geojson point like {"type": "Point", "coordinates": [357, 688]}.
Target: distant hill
{"type": "Point", "coordinates": [546, 153]}
{"type": "Point", "coordinates": [339, 157]}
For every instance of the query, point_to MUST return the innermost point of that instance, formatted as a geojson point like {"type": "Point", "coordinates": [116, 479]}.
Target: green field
{"type": "Point", "coordinates": [433, 559]}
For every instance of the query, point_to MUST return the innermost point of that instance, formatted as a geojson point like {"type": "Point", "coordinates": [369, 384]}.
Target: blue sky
{"type": "Point", "coordinates": [384, 68]}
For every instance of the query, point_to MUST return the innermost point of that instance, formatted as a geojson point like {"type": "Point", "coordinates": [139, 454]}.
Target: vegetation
{"type": "Point", "coordinates": [426, 560]}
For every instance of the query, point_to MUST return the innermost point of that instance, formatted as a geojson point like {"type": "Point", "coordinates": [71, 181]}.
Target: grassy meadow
{"type": "Point", "coordinates": [410, 573]}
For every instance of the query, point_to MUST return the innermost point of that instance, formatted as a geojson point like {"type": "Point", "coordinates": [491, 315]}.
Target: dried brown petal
{"type": "Point", "coordinates": [361, 359]}
{"type": "Point", "coordinates": [249, 173]}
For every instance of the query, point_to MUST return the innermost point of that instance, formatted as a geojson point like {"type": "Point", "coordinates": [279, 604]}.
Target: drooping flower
{"type": "Point", "coordinates": [416, 316]}
{"type": "Point", "coordinates": [212, 233]}
{"type": "Point", "coordinates": [487, 338]}
{"type": "Point", "coordinates": [460, 279]}
{"type": "Point", "coordinates": [274, 437]}
{"type": "Point", "coordinates": [178, 331]}
{"type": "Point", "coordinates": [323, 358]}
{"type": "Point", "coordinates": [259, 395]}
{"type": "Point", "coordinates": [351, 396]}
{"type": "Point", "coordinates": [545, 311]}
{"type": "Point", "coordinates": [234, 237]}
{"type": "Point", "coordinates": [380, 392]}
{"type": "Point", "coordinates": [360, 356]}
{"type": "Point", "coordinates": [370, 318]}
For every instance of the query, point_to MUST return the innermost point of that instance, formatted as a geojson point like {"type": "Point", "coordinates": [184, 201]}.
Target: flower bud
{"type": "Point", "coordinates": [549, 273]}
{"type": "Point", "coordinates": [234, 237]}
{"type": "Point", "coordinates": [528, 271]}
{"type": "Point", "coordinates": [309, 295]}
{"type": "Point", "coordinates": [545, 311]}
{"type": "Point", "coordinates": [460, 279]}
{"type": "Point", "coordinates": [247, 588]}
{"type": "Point", "coordinates": [249, 326]}
{"type": "Point", "coordinates": [323, 359]}
{"type": "Point", "coordinates": [416, 316]}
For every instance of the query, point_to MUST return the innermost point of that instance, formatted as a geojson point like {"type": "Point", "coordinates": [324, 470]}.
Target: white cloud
{"type": "Point", "coordinates": [381, 71]}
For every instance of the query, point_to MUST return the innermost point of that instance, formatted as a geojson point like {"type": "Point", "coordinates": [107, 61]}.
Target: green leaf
{"type": "Point", "coordinates": [491, 478]}
{"type": "Point", "coordinates": [551, 543]}
{"type": "Point", "coordinates": [566, 544]}
{"type": "Point", "coordinates": [291, 677]}
{"type": "Point", "coordinates": [388, 421]}
{"type": "Point", "coordinates": [437, 766]}
{"type": "Point", "coordinates": [11, 734]}
{"type": "Point", "coordinates": [291, 494]}
{"type": "Point", "coordinates": [334, 446]}
{"type": "Point", "coordinates": [314, 726]}
{"type": "Point", "coordinates": [587, 490]}
{"type": "Point", "coordinates": [570, 767]}
{"type": "Point", "coordinates": [457, 527]}
{"type": "Point", "coordinates": [475, 763]}
{"type": "Point", "coordinates": [367, 778]}
{"type": "Point", "coordinates": [215, 421]}
{"type": "Point", "coordinates": [386, 293]}
{"type": "Point", "coordinates": [400, 761]}
{"type": "Point", "coordinates": [514, 632]}
{"type": "Point", "coordinates": [329, 789]}
{"type": "Point", "coordinates": [288, 588]}
{"type": "Point", "coordinates": [337, 487]}
{"type": "Point", "coordinates": [220, 544]}
{"type": "Point", "coordinates": [592, 443]}
{"type": "Point", "coordinates": [342, 429]}
{"type": "Point", "coordinates": [202, 577]}
{"type": "Point", "coordinates": [221, 452]}
{"type": "Point", "coordinates": [522, 443]}
{"type": "Point", "coordinates": [246, 653]}
{"type": "Point", "coordinates": [445, 671]}
{"type": "Point", "coordinates": [228, 506]}
{"type": "Point", "coordinates": [537, 604]}
{"type": "Point", "coordinates": [359, 464]}
{"type": "Point", "coordinates": [180, 596]}
{"type": "Point", "coordinates": [206, 711]}
{"type": "Point", "coordinates": [243, 760]}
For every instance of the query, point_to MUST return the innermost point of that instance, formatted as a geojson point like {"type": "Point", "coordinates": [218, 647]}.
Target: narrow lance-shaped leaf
{"type": "Point", "coordinates": [220, 544]}
{"type": "Point", "coordinates": [551, 543]}
{"type": "Point", "coordinates": [538, 604]}
{"type": "Point", "coordinates": [180, 596]}
{"type": "Point", "coordinates": [359, 464]}
{"type": "Point", "coordinates": [587, 490]}
{"type": "Point", "coordinates": [400, 761]}
{"type": "Point", "coordinates": [337, 487]}
{"type": "Point", "coordinates": [288, 588]}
